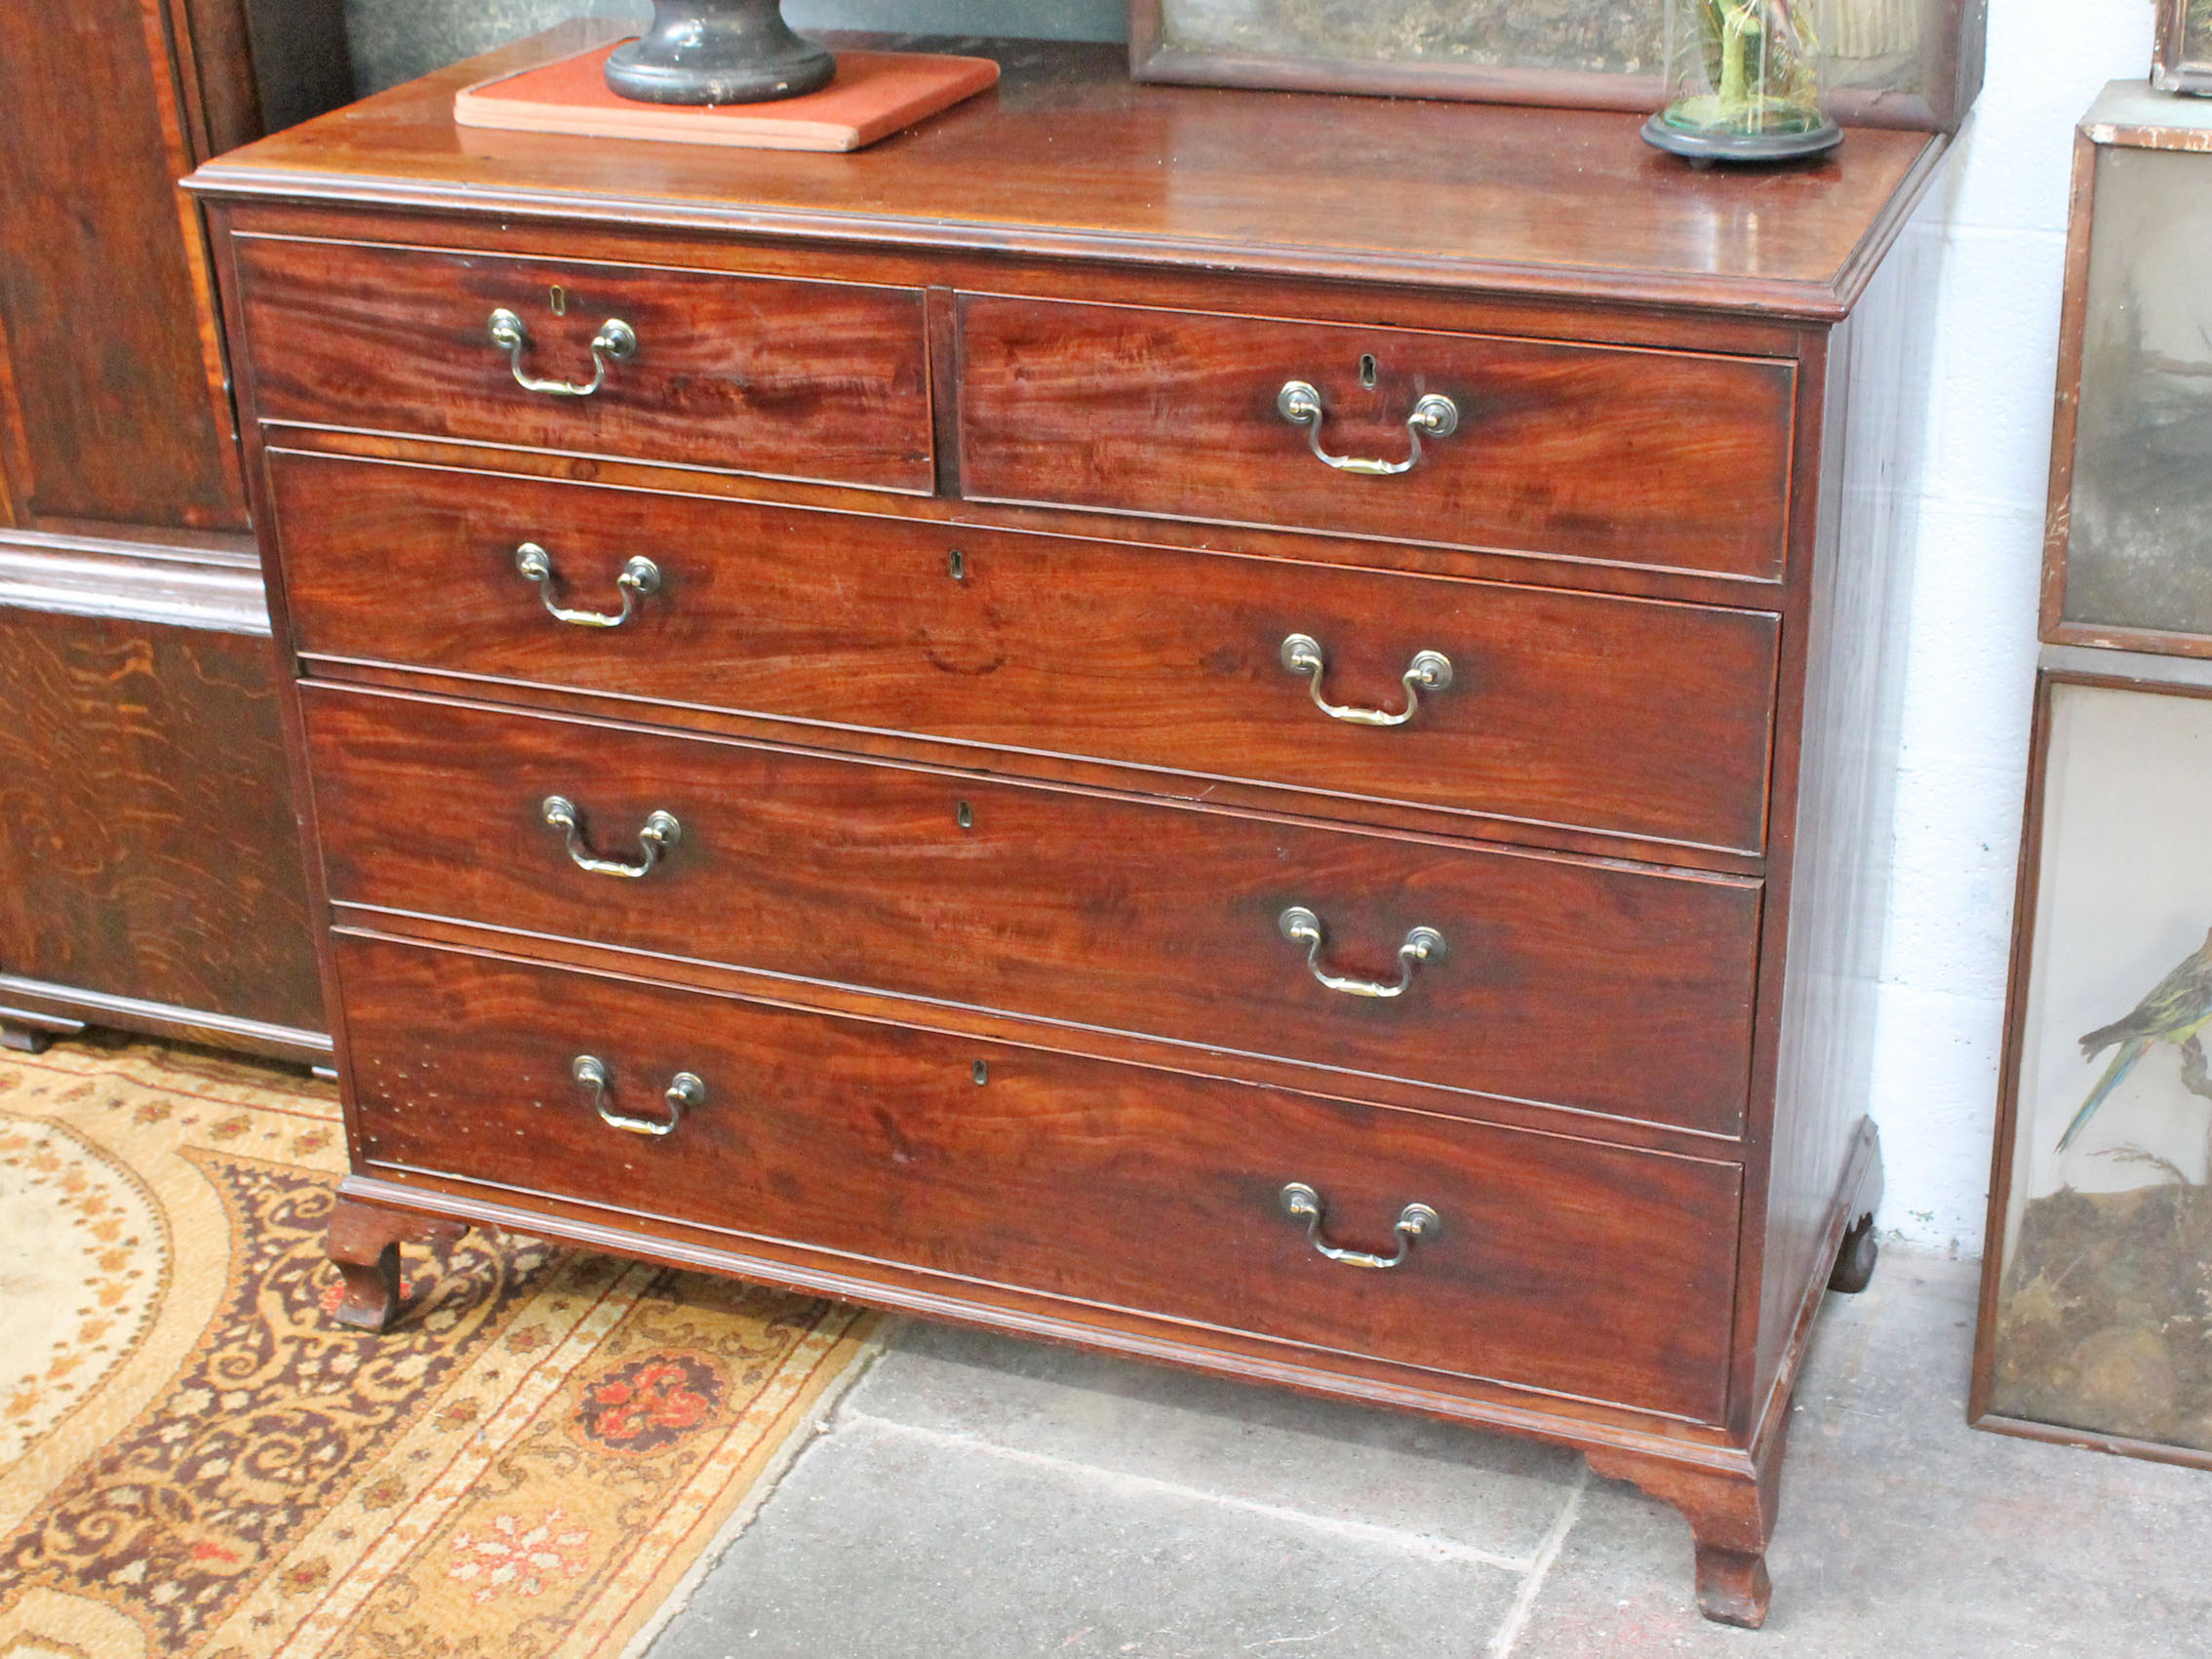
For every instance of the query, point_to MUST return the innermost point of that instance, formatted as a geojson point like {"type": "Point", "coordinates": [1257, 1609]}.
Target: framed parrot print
{"type": "Point", "coordinates": [2096, 1319]}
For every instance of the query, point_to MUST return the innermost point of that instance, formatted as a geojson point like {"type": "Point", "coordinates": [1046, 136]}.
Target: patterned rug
{"type": "Point", "coordinates": [196, 1461]}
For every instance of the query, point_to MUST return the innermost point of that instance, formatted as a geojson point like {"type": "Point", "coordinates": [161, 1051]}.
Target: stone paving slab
{"type": "Point", "coordinates": [990, 1499]}
{"type": "Point", "coordinates": [1255, 1445]}
{"type": "Point", "coordinates": [889, 1542]}
{"type": "Point", "coordinates": [1904, 1535]}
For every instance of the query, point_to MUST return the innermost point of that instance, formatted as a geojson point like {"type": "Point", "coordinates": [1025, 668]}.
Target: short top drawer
{"type": "Point", "coordinates": [1651, 457]}
{"type": "Point", "coordinates": [816, 381]}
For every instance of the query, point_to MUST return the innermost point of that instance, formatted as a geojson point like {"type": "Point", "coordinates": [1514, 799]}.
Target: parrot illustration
{"type": "Point", "coordinates": [2175, 1011]}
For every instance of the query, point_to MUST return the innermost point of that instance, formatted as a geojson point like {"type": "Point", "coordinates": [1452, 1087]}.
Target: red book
{"type": "Point", "coordinates": [875, 94]}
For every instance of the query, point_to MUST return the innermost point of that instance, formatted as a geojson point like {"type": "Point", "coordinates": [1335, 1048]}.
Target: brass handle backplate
{"type": "Point", "coordinates": [616, 342]}
{"type": "Point", "coordinates": [1302, 927]}
{"type": "Point", "coordinates": [1429, 671]}
{"type": "Point", "coordinates": [661, 832]}
{"type": "Point", "coordinates": [685, 1092]}
{"type": "Point", "coordinates": [1415, 1221]}
{"type": "Point", "coordinates": [1300, 404]}
{"type": "Point", "coordinates": [639, 577]}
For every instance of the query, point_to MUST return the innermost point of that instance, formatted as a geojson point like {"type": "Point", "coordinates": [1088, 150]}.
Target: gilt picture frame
{"type": "Point", "coordinates": [2181, 59]}
{"type": "Point", "coordinates": [2096, 1300]}
{"type": "Point", "coordinates": [1906, 64]}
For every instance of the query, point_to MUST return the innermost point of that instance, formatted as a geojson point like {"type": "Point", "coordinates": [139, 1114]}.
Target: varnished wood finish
{"type": "Point", "coordinates": [149, 871]}
{"type": "Point", "coordinates": [1607, 989]}
{"type": "Point", "coordinates": [1666, 459]}
{"type": "Point", "coordinates": [362, 1241]}
{"type": "Point", "coordinates": [1617, 990]}
{"type": "Point", "coordinates": [1514, 201]}
{"type": "Point", "coordinates": [1092, 1183]}
{"type": "Point", "coordinates": [1611, 714]}
{"type": "Point", "coordinates": [118, 407]}
{"type": "Point", "coordinates": [814, 381]}
{"type": "Point", "coordinates": [143, 819]}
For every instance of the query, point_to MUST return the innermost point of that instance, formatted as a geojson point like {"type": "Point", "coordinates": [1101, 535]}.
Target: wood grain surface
{"type": "Point", "coordinates": [804, 379]}
{"type": "Point", "coordinates": [147, 847]}
{"type": "Point", "coordinates": [1604, 988]}
{"type": "Point", "coordinates": [1608, 714]}
{"type": "Point", "coordinates": [1066, 157]}
{"type": "Point", "coordinates": [118, 410]}
{"type": "Point", "coordinates": [1559, 1264]}
{"type": "Point", "coordinates": [1647, 457]}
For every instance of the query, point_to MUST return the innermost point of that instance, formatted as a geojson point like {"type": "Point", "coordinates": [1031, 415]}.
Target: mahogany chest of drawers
{"type": "Point", "coordinates": [1247, 728]}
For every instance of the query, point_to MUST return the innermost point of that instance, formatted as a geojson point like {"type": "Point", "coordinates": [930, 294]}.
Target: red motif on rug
{"type": "Point", "coordinates": [650, 1403]}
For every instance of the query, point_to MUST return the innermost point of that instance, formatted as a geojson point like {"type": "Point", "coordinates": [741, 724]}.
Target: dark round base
{"type": "Point", "coordinates": [1855, 1261]}
{"type": "Point", "coordinates": [1709, 147]}
{"type": "Point", "coordinates": [702, 52]}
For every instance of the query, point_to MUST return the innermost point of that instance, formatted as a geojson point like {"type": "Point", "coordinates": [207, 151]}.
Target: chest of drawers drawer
{"type": "Point", "coordinates": [1603, 988]}
{"type": "Point", "coordinates": [1653, 458]}
{"type": "Point", "coordinates": [1632, 716]}
{"type": "Point", "coordinates": [797, 379]}
{"type": "Point", "coordinates": [1553, 1263]}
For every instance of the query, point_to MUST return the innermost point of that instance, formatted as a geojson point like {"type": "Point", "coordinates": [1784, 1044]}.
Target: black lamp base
{"type": "Point", "coordinates": [718, 52]}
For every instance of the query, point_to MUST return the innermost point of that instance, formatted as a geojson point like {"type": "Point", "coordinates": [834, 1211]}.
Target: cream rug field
{"type": "Point", "coordinates": [195, 1461]}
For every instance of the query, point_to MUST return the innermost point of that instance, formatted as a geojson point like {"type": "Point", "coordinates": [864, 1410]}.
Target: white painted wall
{"type": "Point", "coordinates": [1971, 656]}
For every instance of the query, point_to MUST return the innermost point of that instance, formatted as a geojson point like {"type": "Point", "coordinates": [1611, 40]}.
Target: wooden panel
{"type": "Point", "coordinates": [1066, 157]}
{"type": "Point", "coordinates": [103, 299]}
{"type": "Point", "coordinates": [1842, 793]}
{"type": "Point", "coordinates": [813, 380]}
{"type": "Point", "coordinates": [1623, 715]}
{"type": "Point", "coordinates": [147, 846]}
{"type": "Point", "coordinates": [1600, 988]}
{"type": "Point", "coordinates": [1643, 457]}
{"type": "Point", "coordinates": [1559, 1265]}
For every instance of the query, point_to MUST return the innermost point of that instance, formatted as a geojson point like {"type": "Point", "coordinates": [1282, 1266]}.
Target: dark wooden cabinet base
{"type": "Point", "coordinates": [363, 1243]}
{"type": "Point", "coordinates": [1170, 760]}
{"type": "Point", "coordinates": [151, 873]}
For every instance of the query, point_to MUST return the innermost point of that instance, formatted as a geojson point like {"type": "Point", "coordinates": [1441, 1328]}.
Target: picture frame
{"type": "Point", "coordinates": [2103, 1166]}
{"type": "Point", "coordinates": [2127, 552]}
{"type": "Point", "coordinates": [1909, 64]}
{"type": "Point", "coordinates": [2182, 59]}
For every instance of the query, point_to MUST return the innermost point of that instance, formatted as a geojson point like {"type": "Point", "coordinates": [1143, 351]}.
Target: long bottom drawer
{"type": "Point", "coordinates": [1551, 1263]}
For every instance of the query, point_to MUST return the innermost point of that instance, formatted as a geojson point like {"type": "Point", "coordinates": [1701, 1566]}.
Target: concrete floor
{"type": "Point", "coordinates": [975, 1498]}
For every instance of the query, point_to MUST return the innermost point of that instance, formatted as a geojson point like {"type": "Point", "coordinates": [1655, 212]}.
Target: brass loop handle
{"type": "Point", "coordinates": [1429, 671]}
{"type": "Point", "coordinates": [1300, 404]}
{"type": "Point", "coordinates": [1302, 927]}
{"type": "Point", "coordinates": [685, 1092]}
{"type": "Point", "coordinates": [1415, 1221]}
{"type": "Point", "coordinates": [616, 341]}
{"type": "Point", "coordinates": [661, 832]}
{"type": "Point", "coordinates": [639, 577]}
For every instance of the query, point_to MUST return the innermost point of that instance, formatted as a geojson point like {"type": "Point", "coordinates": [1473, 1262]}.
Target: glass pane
{"type": "Point", "coordinates": [2105, 1302]}
{"type": "Point", "coordinates": [2196, 34]}
{"type": "Point", "coordinates": [2139, 553]}
{"type": "Point", "coordinates": [1873, 45]}
{"type": "Point", "coordinates": [1598, 35]}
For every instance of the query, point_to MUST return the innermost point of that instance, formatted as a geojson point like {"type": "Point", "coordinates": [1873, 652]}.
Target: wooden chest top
{"type": "Point", "coordinates": [1067, 157]}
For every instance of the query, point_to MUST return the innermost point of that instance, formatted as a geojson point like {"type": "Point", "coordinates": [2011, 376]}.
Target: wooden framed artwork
{"type": "Point", "coordinates": [2128, 543]}
{"type": "Point", "coordinates": [2183, 62]}
{"type": "Point", "coordinates": [2096, 1318]}
{"type": "Point", "coordinates": [1911, 64]}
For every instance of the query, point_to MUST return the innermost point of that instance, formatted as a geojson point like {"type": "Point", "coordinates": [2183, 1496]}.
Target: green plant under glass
{"type": "Point", "coordinates": [1743, 82]}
